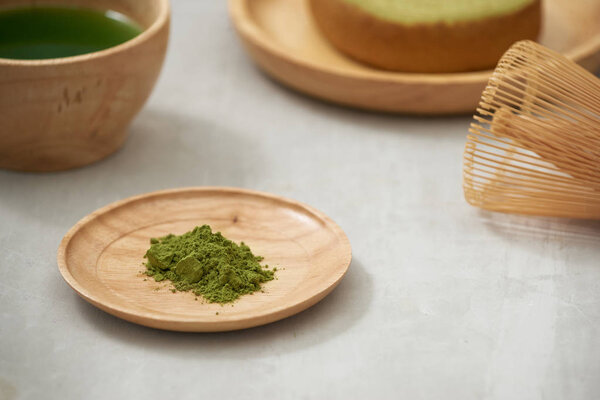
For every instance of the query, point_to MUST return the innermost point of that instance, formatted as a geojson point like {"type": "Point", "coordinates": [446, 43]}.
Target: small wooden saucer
{"type": "Point", "coordinates": [101, 256]}
{"type": "Point", "coordinates": [282, 38]}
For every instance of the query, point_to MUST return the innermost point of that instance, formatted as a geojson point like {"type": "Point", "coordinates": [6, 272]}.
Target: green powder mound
{"type": "Point", "coordinates": [432, 11]}
{"type": "Point", "coordinates": [207, 264]}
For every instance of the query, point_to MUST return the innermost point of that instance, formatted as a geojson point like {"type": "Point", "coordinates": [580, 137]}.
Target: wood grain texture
{"type": "Point", "coordinates": [66, 112]}
{"type": "Point", "coordinates": [101, 256]}
{"type": "Point", "coordinates": [283, 40]}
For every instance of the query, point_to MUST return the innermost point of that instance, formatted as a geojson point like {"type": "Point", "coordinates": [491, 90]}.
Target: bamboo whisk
{"type": "Point", "coordinates": [534, 144]}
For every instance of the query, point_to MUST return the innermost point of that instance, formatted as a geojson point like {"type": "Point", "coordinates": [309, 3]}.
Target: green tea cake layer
{"type": "Point", "coordinates": [430, 36]}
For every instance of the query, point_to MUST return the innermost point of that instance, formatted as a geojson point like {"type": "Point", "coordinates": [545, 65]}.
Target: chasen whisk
{"type": "Point", "coordinates": [534, 144]}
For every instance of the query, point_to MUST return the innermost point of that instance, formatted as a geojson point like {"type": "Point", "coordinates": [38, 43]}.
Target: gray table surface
{"type": "Point", "coordinates": [442, 301]}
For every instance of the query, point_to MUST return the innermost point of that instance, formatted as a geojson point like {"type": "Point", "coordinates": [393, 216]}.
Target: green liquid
{"type": "Point", "coordinates": [53, 32]}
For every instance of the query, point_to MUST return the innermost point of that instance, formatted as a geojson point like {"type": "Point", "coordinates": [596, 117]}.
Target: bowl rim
{"type": "Point", "coordinates": [163, 17]}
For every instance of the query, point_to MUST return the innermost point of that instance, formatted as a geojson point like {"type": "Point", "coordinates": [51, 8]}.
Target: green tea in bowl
{"type": "Point", "coordinates": [73, 74]}
{"type": "Point", "coordinates": [29, 33]}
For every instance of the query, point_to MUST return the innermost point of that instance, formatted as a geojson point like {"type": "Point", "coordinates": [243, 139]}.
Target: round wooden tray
{"type": "Point", "coordinates": [282, 38]}
{"type": "Point", "coordinates": [101, 256]}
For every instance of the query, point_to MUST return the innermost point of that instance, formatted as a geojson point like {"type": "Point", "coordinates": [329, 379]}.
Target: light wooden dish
{"type": "Point", "coordinates": [66, 112]}
{"type": "Point", "coordinates": [284, 41]}
{"type": "Point", "coordinates": [101, 256]}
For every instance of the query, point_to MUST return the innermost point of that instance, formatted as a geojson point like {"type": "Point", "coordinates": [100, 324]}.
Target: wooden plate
{"type": "Point", "coordinates": [101, 256]}
{"type": "Point", "coordinates": [282, 38]}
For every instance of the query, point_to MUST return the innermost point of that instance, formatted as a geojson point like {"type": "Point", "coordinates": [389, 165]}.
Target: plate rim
{"type": "Point", "coordinates": [249, 30]}
{"type": "Point", "coordinates": [182, 324]}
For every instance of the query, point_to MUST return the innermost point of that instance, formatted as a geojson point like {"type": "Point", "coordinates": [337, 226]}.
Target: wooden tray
{"type": "Point", "coordinates": [283, 40]}
{"type": "Point", "coordinates": [101, 256]}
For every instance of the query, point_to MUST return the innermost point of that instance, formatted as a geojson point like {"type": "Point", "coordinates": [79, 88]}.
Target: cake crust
{"type": "Point", "coordinates": [429, 48]}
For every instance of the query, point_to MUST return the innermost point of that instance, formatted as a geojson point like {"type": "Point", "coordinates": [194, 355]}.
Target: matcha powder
{"type": "Point", "coordinates": [207, 264]}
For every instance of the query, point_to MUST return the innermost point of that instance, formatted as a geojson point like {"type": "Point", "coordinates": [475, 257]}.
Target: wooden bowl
{"type": "Point", "coordinates": [66, 112]}
{"type": "Point", "coordinates": [101, 256]}
{"type": "Point", "coordinates": [282, 38]}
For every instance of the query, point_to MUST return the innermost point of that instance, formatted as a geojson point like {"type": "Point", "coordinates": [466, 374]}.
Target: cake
{"type": "Point", "coordinates": [427, 35]}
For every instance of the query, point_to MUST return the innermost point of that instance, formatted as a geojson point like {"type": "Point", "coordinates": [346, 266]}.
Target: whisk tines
{"type": "Point", "coordinates": [534, 144]}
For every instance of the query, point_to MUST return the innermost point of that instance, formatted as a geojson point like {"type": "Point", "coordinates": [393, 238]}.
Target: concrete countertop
{"type": "Point", "coordinates": [442, 301]}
